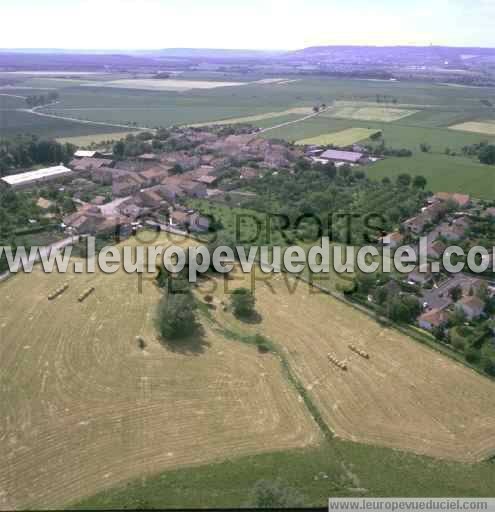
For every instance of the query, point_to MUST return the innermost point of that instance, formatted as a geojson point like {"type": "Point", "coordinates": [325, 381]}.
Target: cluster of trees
{"type": "Point", "coordinates": [28, 150]}
{"type": "Point", "coordinates": [16, 208]}
{"type": "Point", "coordinates": [381, 149]}
{"type": "Point", "coordinates": [272, 494]}
{"type": "Point", "coordinates": [323, 191]}
{"type": "Point", "coordinates": [176, 318]}
{"type": "Point", "coordinates": [484, 151]}
{"type": "Point", "coordinates": [392, 302]}
{"type": "Point", "coordinates": [42, 99]}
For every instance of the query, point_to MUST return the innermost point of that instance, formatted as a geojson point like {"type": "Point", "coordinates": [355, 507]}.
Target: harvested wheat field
{"type": "Point", "coordinates": [404, 396]}
{"type": "Point", "coordinates": [83, 407]}
{"type": "Point", "coordinates": [485, 127]}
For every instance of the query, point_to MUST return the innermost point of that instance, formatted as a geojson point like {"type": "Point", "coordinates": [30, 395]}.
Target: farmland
{"type": "Point", "coordinates": [165, 85]}
{"type": "Point", "coordinates": [377, 471]}
{"type": "Point", "coordinates": [84, 408]}
{"type": "Point", "coordinates": [487, 127]}
{"type": "Point", "coordinates": [401, 397]}
{"type": "Point", "coordinates": [408, 113]}
{"type": "Point", "coordinates": [340, 138]}
{"type": "Point", "coordinates": [384, 114]}
{"type": "Point", "coordinates": [99, 411]}
{"type": "Point", "coordinates": [444, 173]}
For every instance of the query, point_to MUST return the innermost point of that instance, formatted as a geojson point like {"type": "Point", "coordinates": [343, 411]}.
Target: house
{"type": "Point", "coordinates": [490, 212]}
{"type": "Point", "coordinates": [151, 197]}
{"type": "Point", "coordinates": [84, 153]}
{"type": "Point", "coordinates": [130, 209]}
{"type": "Point", "coordinates": [88, 164]}
{"type": "Point", "coordinates": [421, 274]}
{"type": "Point", "coordinates": [431, 319]}
{"type": "Point", "coordinates": [102, 175]}
{"type": "Point", "coordinates": [435, 249]}
{"type": "Point", "coordinates": [462, 222]}
{"type": "Point", "coordinates": [415, 224]}
{"type": "Point", "coordinates": [433, 212]}
{"type": "Point", "coordinates": [392, 240]}
{"type": "Point", "coordinates": [185, 161]}
{"type": "Point", "coordinates": [451, 232]}
{"type": "Point", "coordinates": [87, 220]}
{"type": "Point", "coordinates": [81, 153]}
{"type": "Point", "coordinates": [125, 187]}
{"type": "Point", "coordinates": [154, 175]}
{"type": "Point", "coordinates": [207, 180]}
{"type": "Point", "coordinates": [193, 189]}
{"type": "Point", "coordinates": [349, 157]}
{"type": "Point", "coordinates": [190, 220]}
{"type": "Point", "coordinates": [171, 191]}
{"type": "Point", "coordinates": [471, 306]}
{"type": "Point", "coordinates": [461, 200]}
{"type": "Point", "coordinates": [148, 157]}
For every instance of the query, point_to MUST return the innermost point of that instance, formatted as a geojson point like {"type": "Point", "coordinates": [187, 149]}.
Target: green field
{"type": "Point", "coordinates": [368, 113]}
{"type": "Point", "coordinates": [444, 173]}
{"type": "Point", "coordinates": [409, 113]}
{"type": "Point", "coordinates": [16, 122]}
{"type": "Point", "coordinates": [341, 138]}
{"type": "Point", "coordinates": [377, 471]}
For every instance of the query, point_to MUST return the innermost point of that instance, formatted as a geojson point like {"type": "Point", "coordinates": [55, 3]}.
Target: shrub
{"type": "Point", "coordinates": [243, 302]}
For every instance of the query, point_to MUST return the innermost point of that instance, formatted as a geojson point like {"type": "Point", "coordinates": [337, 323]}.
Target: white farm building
{"type": "Point", "coordinates": [32, 178]}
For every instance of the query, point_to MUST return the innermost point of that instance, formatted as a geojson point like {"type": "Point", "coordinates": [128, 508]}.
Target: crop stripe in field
{"type": "Point", "coordinates": [287, 370]}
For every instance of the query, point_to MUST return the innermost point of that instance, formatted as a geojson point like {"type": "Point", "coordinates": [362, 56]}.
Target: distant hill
{"type": "Point", "coordinates": [391, 54]}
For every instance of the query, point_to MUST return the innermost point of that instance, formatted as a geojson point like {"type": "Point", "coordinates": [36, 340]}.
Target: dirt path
{"type": "Point", "coordinates": [287, 123]}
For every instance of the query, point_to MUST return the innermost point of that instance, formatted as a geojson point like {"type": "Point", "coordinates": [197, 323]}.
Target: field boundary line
{"type": "Point", "coordinates": [287, 123]}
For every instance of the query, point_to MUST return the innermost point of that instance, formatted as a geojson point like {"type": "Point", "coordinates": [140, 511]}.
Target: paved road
{"type": "Point", "coordinates": [36, 112]}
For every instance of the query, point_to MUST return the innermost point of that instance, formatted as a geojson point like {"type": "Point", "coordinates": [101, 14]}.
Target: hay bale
{"type": "Point", "coordinates": [360, 352]}
{"type": "Point", "coordinates": [86, 294]}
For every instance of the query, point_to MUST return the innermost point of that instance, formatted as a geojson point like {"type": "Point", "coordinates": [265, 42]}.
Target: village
{"type": "Point", "coordinates": [111, 193]}
{"type": "Point", "coordinates": [453, 307]}
{"type": "Point", "coordinates": [114, 191]}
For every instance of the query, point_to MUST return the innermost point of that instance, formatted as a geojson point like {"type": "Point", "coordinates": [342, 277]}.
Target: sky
{"type": "Point", "coordinates": [246, 24]}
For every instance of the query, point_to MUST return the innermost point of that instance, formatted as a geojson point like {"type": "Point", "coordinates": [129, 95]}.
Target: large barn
{"type": "Point", "coordinates": [33, 178]}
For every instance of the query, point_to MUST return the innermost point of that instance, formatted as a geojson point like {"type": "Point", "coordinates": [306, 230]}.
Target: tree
{"type": "Point", "coordinates": [176, 314]}
{"type": "Point", "coordinates": [425, 147]}
{"type": "Point", "coordinates": [403, 180]}
{"type": "Point", "coordinates": [404, 309]}
{"type": "Point", "coordinates": [376, 135]}
{"type": "Point", "coordinates": [243, 302]}
{"type": "Point", "coordinates": [455, 293]}
{"type": "Point", "coordinates": [275, 494]}
{"type": "Point", "coordinates": [419, 182]}
{"type": "Point", "coordinates": [119, 149]}
{"type": "Point", "coordinates": [487, 155]}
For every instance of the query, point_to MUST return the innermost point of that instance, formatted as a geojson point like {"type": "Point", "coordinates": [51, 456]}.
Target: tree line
{"type": "Point", "coordinates": [25, 151]}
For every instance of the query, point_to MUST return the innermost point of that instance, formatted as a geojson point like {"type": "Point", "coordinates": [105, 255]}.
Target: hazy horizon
{"type": "Point", "coordinates": [255, 25]}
